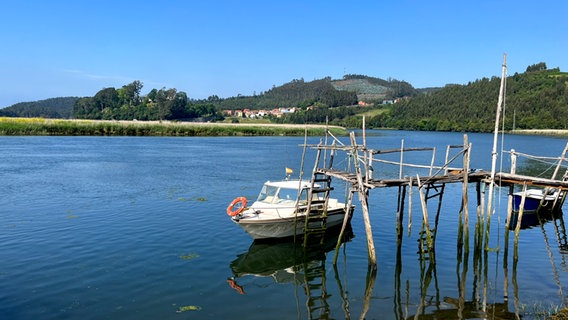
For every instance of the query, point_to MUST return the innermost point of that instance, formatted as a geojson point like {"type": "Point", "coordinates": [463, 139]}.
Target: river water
{"type": "Point", "coordinates": [136, 228]}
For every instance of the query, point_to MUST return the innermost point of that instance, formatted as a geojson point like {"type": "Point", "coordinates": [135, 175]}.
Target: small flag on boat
{"type": "Point", "coordinates": [289, 171]}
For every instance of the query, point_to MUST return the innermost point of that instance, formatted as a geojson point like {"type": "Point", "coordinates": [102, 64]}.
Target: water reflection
{"type": "Point", "coordinates": [433, 305]}
{"type": "Point", "coordinates": [287, 261]}
{"type": "Point", "coordinates": [534, 218]}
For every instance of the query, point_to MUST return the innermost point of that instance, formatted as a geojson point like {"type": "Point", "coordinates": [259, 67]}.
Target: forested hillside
{"type": "Point", "coordinates": [296, 93]}
{"type": "Point", "coordinates": [536, 99]}
{"type": "Point", "coordinates": [49, 108]}
{"type": "Point", "coordinates": [372, 89]}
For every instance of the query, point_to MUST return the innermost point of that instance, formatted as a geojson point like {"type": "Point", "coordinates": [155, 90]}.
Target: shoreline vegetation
{"type": "Point", "coordinates": [75, 127]}
{"type": "Point", "coordinates": [542, 132]}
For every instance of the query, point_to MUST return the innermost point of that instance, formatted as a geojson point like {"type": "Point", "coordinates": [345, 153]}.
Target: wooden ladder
{"type": "Point", "coordinates": [315, 288]}
{"type": "Point", "coordinates": [318, 199]}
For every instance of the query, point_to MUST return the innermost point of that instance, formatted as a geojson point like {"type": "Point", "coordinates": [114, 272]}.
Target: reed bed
{"type": "Point", "coordinates": [61, 127]}
{"type": "Point", "coordinates": [541, 132]}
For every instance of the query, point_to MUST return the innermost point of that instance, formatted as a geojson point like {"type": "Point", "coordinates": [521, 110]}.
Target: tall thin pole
{"type": "Point", "coordinates": [494, 151]}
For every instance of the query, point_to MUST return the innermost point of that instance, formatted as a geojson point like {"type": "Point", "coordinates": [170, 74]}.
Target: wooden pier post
{"type": "Point", "coordinates": [426, 220]}
{"type": "Point", "coordinates": [409, 205]}
{"type": "Point", "coordinates": [558, 194]}
{"type": "Point", "coordinates": [511, 190]}
{"type": "Point", "coordinates": [343, 226]}
{"type": "Point", "coordinates": [363, 197]}
{"type": "Point", "coordinates": [401, 196]}
{"type": "Point", "coordinates": [465, 199]}
{"type": "Point", "coordinates": [562, 157]}
{"type": "Point", "coordinates": [400, 214]}
{"type": "Point", "coordinates": [507, 225]}
{"type": "Point", "coordinates": [520, 214]}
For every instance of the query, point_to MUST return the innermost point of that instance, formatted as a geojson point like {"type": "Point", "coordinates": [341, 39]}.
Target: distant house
{"type": "Point", "coordinates": [364, 103]}
{"type": "Point", "coordinates": [287, 110]}
{"type": "Point", "coordinates": [248, 113]}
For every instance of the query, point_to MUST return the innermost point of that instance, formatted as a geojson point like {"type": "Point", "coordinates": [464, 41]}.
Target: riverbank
{"type": "Point", "coordinates": [74, 127]}
{"type": "Point", "coordinates": [542, 132]}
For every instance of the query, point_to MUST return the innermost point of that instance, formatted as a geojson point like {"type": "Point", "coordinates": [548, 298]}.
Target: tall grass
{"type": "Point", "coordinates": [58, 127]}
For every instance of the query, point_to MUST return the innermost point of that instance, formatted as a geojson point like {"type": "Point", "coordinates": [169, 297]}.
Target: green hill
{"type": "Point", "coordinates": [365, 90]}
{"type": "Point", "coordinates": [534, 100]}
{"type": "Point", "coordinates": [296, 93]}
{"type": "Point", "coordinates": [322, 92]}
{"type": "Point", "coordinates": [49, 108]}
{"type": "Point", "coordinates": [372, 89]}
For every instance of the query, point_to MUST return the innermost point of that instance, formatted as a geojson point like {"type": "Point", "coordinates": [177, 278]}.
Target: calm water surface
{"type": "Point", "coordinates": [135, 228]}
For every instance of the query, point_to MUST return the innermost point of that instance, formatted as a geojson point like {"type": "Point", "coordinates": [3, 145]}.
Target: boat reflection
{"type": "Point", "coordinates": [287, 261]}
{"type": "Point", "coordinates": [284, 259]}
{"type": "Point", "coordinates": [534, 218]}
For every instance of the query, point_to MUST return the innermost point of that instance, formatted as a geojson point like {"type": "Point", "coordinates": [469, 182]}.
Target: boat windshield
{"type": "Point", "coordinates": [274, 194]}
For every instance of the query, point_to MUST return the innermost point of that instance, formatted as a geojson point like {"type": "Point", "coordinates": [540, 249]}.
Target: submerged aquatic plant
{"type": "Point", "coordinates": [189, 256]}
{"type": "Point", "coordinates": [188, 308]}
{"type": "Point", "coordinates": [542, 311]}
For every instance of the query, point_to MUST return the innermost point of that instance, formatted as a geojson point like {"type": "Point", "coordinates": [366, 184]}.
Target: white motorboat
{"type": "Point", "coordinates": [281, 207]}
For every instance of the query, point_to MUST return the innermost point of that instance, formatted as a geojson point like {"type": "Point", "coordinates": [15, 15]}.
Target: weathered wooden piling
{"type": "Point", "coordinates": [363, 197]}
{"type": "Point", "coordinates": [511, 190]}
{"type": "Point", "coordinates": [465, 183]}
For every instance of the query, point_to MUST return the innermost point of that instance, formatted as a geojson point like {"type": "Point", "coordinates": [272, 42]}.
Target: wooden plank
{"type": "Point", "coordinates": [508, 178]}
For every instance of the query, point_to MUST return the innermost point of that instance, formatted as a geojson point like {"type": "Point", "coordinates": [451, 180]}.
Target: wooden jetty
{"type": "Point", "coordinates": [456, 169]}
{"type": "Point", "coordinates": [361, 178]}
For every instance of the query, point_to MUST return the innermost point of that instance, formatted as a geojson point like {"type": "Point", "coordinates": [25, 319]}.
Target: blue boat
{"type": "Point", "coordinates": [535, 199]}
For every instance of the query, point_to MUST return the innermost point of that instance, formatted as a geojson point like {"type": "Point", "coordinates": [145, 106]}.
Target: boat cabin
{"type": "Point", "coordinates": [285, 192]}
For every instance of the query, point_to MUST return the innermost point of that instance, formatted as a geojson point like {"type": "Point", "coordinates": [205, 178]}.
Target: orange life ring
{"type": "Point", "coordinates": [240, 200]}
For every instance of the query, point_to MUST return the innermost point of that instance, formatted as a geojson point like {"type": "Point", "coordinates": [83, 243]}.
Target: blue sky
{"type": "Point", "coordinates": [75, 48]}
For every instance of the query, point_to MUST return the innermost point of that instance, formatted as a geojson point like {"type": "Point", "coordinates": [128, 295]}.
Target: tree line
{"type": "Point", "coordinates": [126, 103]}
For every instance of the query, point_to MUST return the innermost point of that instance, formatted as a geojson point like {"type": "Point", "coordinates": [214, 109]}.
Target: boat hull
{"type": "Point", "coordinates": [288, 227]}
{"type": "Point", "coordinates": [534, 201]}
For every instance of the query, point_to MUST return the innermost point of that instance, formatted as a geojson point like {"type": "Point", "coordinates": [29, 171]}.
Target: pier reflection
{"type": "Point", "coordinates": [414, 296]}
{"type": "Point", "coordinates": [434, 305]}
{"type": "Point", "coordinates": [476, 302]}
